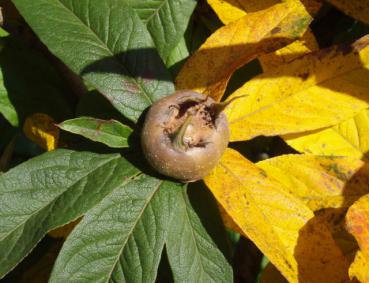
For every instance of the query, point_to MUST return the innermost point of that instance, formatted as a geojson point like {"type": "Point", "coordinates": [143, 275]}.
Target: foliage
{"type": "Point", "coordinates": [76, 79]}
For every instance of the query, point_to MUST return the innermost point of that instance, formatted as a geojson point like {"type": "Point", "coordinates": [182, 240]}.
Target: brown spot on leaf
{"type": "Point", "coordinates": [275, 30]}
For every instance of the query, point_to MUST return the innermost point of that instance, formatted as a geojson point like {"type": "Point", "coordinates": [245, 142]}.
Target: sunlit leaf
{"type": "Point", "coordinates": [166, 21]}
{"type": "Point", "coordinates": [296, 49]}
{"type": "Point", "coordinates": [50, 191]}
{"type": "Point", "coordinates": [231, 10]}
{"type": "Point", "coordinates": [349, 138]}
{"type": "Point", "coordinates": [121, 238]}
{"type": "Point", "coordinates": [191, 249]}
{"type": "Point", "coordinates": [357, 221]}
{"type": "Point", "coordinates": [232, 46]}
{"type": "Point", "coordinates": [6, 107]}
{"type": "Point", "coordinates": [320, 181]}
{"type": "Point", "coordinates": [107, 44]}
{"type": "Point", "coordinates": [314, 91]}
{"type": "Point", "coordinates": [278, 223]}
{"type": "Point", "coordinates": [360, 268]}
{"type": "Point", "coordinates": [110, 132]}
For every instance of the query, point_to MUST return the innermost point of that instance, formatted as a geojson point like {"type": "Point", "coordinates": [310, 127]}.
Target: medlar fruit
{"type": "Point", "coordinates": [184, 135]}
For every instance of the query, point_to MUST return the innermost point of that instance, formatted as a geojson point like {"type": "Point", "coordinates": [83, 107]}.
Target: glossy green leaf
{"type": "Point", "coordinates": [105, 42]}
{"type": "Point", "coordinates": [6, 107]}
{"type": "Point", "coordinates": [49, 191]}
{"type": "Point", "coordinates": [110, 132]}
{"type": "Point", "coordinates": [122, 238]}
{"type": "Point", "coordinates": [29, 84]}
{"type": "Point", "coordinates": [177, 57]}
{"type": "Point", "coordinates": [166, 21]}
{"type": "Point", "coordinates": [193, 254]}
{"type": "Point", "coordinates": [3, 32]}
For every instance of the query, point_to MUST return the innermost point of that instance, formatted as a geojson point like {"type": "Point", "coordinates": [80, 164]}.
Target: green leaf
{"type": "Point", "coordinates": [3, 32]}
{"type": "Point", "coordinates": [96, 105]}
{"type": "Point", "coordinates": [6, 107]}
{"type": "Point", "coordinates": [122, 238]}
{"type": "Point", "coordinates": [177, 57]}
{"type": "Point", "coordinates": [106, 43]}
{"type": "Point", "coordinates": [110, 132]}
{"type": "Point", "coordinates": [29, 84]}
{"type": "Point", "coordinates": [193, 254]}
{"type": "Point", "coordinates": [166, 21]}
{"type": "Point", "coordinates": [49, 191]}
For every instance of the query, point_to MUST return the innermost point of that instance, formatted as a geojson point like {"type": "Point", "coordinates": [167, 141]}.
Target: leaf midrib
{"type": "Point", "coordinates": [365, 154]}
{"type": "Point", "coordinates": [277, 101]}
{"type": "Point", "coordinates": [156, 11]}
{"type": "Point", "coordinates": [111, 53]}
{"type": "Point", "coordinates": [192, 233]}
{"type": "Point", "coordinates": [129, 234]}
{"type": "Point", "coordinates": [282, 252]}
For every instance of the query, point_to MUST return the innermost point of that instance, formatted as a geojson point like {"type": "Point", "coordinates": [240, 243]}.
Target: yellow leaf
{"type": "Point", "coordinates": [349, 138]}
{"type": "Point", "coordinates": [40, 129]}
{"type": "Point", "coordinates": [231, 10]}
{"type": "Point", "coordinates": [278, 223]}
{"type": "Point", "coordinates": [320, 181]}
{"type": "Point", "coordinates": [360, 268]}
{"type": "Point", "coordinates": [358, 9]}
{"type": "Point", "coordinates": [317, 90]}
{"type": "Point", "coordinates": [227, 11]}
{"type": "Point", "coordinates": [239, 42]}
{"type": "Point", "coordinates": [290, 52]}
{"type": "Point", "coordinates": [357, 223]}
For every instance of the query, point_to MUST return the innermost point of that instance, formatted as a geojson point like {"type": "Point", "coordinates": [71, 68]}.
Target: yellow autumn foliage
{"type": "Point", "coordinates": [349, 138]}
{"type": "Point", "coordinates": [231, 10]}
{"type": "Point", "coordinates": [277, 222]}
{"type": "Point", "coordinates": [320, 181]}
{"type": "Point", "coordinates": [238, 43]}
{"type": "Point", "coordinates": [314, 91]}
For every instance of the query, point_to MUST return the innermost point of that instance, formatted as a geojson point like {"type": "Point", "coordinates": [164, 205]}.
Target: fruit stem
{"type": "Point", "coordinates": [218, 107]}
{"type": "Point", "coordinates": [178, 141]}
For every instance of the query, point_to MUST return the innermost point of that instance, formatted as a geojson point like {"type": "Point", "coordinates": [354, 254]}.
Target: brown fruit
{"type": "Point", "coordinates": [184, 135]}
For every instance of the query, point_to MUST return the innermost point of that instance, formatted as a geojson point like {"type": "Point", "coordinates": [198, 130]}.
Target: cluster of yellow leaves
{"type": "Point", "coordinates": [293, 207]}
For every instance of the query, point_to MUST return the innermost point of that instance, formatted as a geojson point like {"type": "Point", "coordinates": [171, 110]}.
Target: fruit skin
{"type": "Point", "coordinates": [187, 163]}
